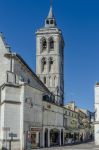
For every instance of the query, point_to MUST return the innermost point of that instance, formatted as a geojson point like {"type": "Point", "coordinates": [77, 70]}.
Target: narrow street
{"type": "Point", "coordinates": [84, 146]}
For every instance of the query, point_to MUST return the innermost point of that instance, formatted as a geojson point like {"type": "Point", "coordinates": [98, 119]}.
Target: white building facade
{"type": "Point", "coordinates": [96, 125]}
{"type": "Point", "coordinates": [21, 105]}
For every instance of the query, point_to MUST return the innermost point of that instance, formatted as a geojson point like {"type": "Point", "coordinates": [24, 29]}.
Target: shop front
{"type": "Point", "coordinates": [71, 137]}
{"type": "Point", "coordinates": [33, 138]}
{"type": "Point", "coordinates": [54, 137]}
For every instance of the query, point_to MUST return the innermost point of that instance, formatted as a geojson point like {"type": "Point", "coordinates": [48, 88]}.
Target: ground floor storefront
{"type": "Point", "coordinates": [71, 137]}
{"type": "Point", "coordinates": [53, 136]}
{"type": "Point", "coordinates": [77, 136]}
{"type": "Point", "coordinates": [44, 137]}
{"type": "Point", "coordinates": [33, 138]}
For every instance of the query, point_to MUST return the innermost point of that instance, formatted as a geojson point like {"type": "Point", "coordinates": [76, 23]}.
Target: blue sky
{"type": "Point", "coordinates": [79, 21]}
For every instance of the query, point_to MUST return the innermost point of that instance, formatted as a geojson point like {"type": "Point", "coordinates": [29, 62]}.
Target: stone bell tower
{"type": "Point", "coordinates": [50, 57]}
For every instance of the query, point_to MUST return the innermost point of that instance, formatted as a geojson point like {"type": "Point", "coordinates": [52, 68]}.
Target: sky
{"type": "Point", "coordinates": [79, 22]}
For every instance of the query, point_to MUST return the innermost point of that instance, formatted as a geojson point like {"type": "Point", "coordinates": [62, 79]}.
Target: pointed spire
{"type": "Point", "coordinates": [50, 20]}
{"type": "Point", "coordinates": [50, 15]}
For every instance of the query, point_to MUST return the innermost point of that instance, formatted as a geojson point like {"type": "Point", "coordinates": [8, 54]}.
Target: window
{"type": "Point", "coordinates": [51, 65]}
{"type": "Point", "coordinates": [50, 81]}
{"type": "Point", "coordinates": [51, 44]}
{"type": "Point", "coordinates": [44, 44]}
{"type": "Point", "coordinates": [52, 22]}
{"type": "Point", "coordinates": [44, 65]}
{"type": "Point", "coordinates": [66, 112]}
{"type": "Point", "coordinates": [22, 78]}
{"type": "Point", "coordinates": [44, 80]}
{"type": "Point", "coordinates": [65, 122]}
{"type": "Point", "coordinates": [55, 82]}
{"type": "Point", "coordinates": [47, 21]}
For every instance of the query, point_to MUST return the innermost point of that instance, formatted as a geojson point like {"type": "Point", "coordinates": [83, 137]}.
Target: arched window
{"type": "Point", "coordinates": [44, 80]}
{"type": "Point", "coordinates": [51, 44]}
{"type": "Point", "coordinates": [51, 21]}
{"type": "Point", "coordinates": [50, 81]}
{"type": "Point", "coordinates": [55, 82]}
{"type": "Point", "coordinates": [44, 44]}
{"type": "Point", "coordinates": [47, 21]}
{"type": "Point", "coordinates": [51, 65]}
{"type": "Point", "coordinates": [44, 65]}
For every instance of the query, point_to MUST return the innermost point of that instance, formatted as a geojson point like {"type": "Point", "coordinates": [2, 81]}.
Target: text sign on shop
{"type": "Point", "coordinates": [12, 135]}
{"type": "Point", "coordinates": [36, 129]}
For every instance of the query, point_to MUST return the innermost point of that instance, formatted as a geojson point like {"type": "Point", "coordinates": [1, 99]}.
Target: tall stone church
{"type": "Point", "coordinates": [50, 57]}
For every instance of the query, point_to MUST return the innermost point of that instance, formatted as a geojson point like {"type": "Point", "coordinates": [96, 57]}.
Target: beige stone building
{"type": "Point", "coordinates": [85, 126]}
{"type": "Point", "coordinates": [71, 126]}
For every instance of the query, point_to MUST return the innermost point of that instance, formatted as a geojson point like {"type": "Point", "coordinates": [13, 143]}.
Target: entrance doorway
{"type": "Point", "coordinates": [54, 137]}
{"type": "Point", "coordinates": [62, 137]}
{"type": "Point", "coordinates": [33, 140]}
{"type": "Point", "coordinates": [46, 137]}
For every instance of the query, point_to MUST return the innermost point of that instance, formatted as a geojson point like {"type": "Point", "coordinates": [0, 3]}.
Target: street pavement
{"type": "Point", "coordinates": [84, 146]}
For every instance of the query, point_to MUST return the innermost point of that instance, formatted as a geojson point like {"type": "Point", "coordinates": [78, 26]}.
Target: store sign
{"type": "Point", "coordinates": [36, 129]}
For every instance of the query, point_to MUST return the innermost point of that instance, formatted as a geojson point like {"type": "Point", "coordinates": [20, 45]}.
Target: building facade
{"type": "Point", "coordinates": [21, 94]}
{"type": "Point", "coordinates": [96, 125]}
{"type": "Point", "coordinates": [85, 122]}
{"type": "Point", "coordinates": [71, 126]}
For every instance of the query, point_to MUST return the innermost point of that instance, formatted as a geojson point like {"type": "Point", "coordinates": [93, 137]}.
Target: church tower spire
{"type": "Point", "coordinates": [50, 57]}
{"type": "Point", "coordinates": [50, 20]}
